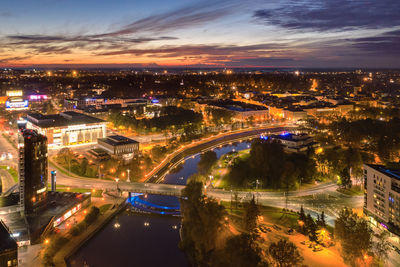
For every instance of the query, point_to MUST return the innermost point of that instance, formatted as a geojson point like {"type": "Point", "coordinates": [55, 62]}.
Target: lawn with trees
{"type": "Point", "coordinates": [272, 167]}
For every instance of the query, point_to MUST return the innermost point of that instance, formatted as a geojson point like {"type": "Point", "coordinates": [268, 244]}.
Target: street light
{"type": "Point", "coordinates": [116, 180]}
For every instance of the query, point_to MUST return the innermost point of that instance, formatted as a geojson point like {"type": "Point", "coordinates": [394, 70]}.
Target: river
{"type": "Point", "coordinates": [132, 239]}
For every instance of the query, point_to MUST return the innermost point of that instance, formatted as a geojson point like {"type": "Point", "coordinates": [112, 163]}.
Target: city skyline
{"type": "Point", "coordinates": [200, 34]}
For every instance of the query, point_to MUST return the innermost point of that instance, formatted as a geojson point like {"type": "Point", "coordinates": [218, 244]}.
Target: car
{"type": "Point", "coordinates": [317, 248]}
{"type": "Point", "coordinates": [263, 229]}
{"type": "Point", "coordinates": [3, 156]}
{"type": "Point", "coordinates": [9, 155]}
{"type": "Point", "coordinates": [290, 231]}
{"type": "Point", "coordinates": [276, 227]}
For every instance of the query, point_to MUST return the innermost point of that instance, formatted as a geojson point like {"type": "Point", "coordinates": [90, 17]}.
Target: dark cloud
{"type": "Point", "coordinates": [55, 44]}
{"type": "Point", "coordinates": [384, 44]}
{"type": "Point", "coordinates": [332, 14]}
{"type": "Point", "coordinates": [195, 14]}
{"type": "Point", "coordinates": [44, 39]}
{"type": "Point", "coordinates": [195, 50]}
{"type": "Point", "coordinates": [12, 59]}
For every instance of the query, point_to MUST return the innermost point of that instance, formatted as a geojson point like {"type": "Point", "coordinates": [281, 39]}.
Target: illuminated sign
{"type": "Point", "coordinates": [66, 215]}
{"type": "Point", "coordinates": [14, 93]}
{"type": "Point", "coordinates": [41, 190]}
{"type": "Point", "coordinates": [17, 104]}
{"type": "Point", "coordinates": [154, 101]}
{"type": "Point", "coordinates": [37, 97]}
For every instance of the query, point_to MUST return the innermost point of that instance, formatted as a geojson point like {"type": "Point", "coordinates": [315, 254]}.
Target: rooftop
{"type": "Point", "coordinates": [63, 119]}
{"type": "Point", "coordinates": [6, 241]}
{"type": "Point", "coordinates": [116, 140]}
{"type": "Point", "coordinates": [387, 171]}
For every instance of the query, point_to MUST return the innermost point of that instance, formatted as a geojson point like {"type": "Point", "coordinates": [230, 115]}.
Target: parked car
{"type": "Point", "coordinates": [317, 248]}
{"type": "Point", "coordinates": [276, 227]}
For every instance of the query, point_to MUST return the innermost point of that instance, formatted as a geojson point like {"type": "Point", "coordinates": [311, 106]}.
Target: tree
{"type": "Point", "coordinates": [354, 234]}
{"type": "Point", "coordinates": [207, 159]}
{"type": "Point", "coordinates": [345, 179]}
{"type": "Point", "coordinates": [302, 220]}
{"type": "Point", "coordinates": [203, 221]}
{"type": "Point", "coordinates": [250, 217]}
{"type": "Point", "coordinates": [285, 253]}
{"type": "Point", "coordinates": [242, 250]}
{"type": "Point", "coordinates": [322, 222]}
{"type": "Point", "coordinates": [311, 228]}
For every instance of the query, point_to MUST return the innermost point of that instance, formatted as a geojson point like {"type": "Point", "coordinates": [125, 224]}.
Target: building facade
{"type": "Point", "coordinates": [8, 248]}
{"type": "Point", "coordinates": [119, 146]}
{"type": "Point", "coordinates": [67, 128]}
{"type": "Point", "coordinates": [294, 142]}
{"type": "Point", "coordinates": [33, 174]}
{"type": "Point", "coordinates": [382, 196]}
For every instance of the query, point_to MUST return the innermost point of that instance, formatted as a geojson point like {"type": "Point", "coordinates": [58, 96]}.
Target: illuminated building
{"type": "Point", "coordinates": [67, 128]}
{"type": "Point", "coordinates": [382, 196]}
{"type": "Point", "coordinates": [33, 174]}
{"type": "Point", "coordinates": [100, 102]}
{"type": "Point", "coordinates": [119, 146]}
{"type": "Point", "coordinates": [8, 247]}
{"type": "Point", "coordinates": [294, 142]}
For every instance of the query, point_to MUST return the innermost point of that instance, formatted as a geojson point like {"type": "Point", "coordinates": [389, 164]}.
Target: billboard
{"type": "Point", "coordinates": [16, 105]}
{"type": "Point", "coordinates": [14, 93]}
{"type": "Point", "coordinates": [37, 97]}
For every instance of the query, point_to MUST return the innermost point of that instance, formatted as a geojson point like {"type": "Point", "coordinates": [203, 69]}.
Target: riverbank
{"type": "Point", "coordinates": [76, 242]}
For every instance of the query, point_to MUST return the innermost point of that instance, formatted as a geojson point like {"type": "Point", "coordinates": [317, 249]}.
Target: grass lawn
{"type": "Point", "coordinates": [11, 171]}
{"type": "Point", "coordinates": [63, 188]}
{"type": "Point", "coordinates": [354, 191]}
{"type": "Point", "coordinates": [105, 207]}
{"type": "Point", "coordinates": [271, 214]}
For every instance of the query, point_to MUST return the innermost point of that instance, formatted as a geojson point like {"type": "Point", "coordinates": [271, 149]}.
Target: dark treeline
{"type": "Point", "coordinates": [272, 167]}
{"type": "Point", "coordinates": [170, 116]}
{"type": "Point", "coordinates": [373, 135]}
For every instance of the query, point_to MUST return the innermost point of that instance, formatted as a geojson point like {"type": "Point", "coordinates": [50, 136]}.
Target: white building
{"type": "Point", "coordinates": [67, 128]}
{"type": "Point", "coordinates": [382, 196]}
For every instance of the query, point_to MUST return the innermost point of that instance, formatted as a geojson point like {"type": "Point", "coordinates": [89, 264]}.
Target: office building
{"type": "Point", "coordinates": [33, 173]}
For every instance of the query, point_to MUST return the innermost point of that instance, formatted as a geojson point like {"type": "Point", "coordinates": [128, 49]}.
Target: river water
{"type": "Point", "coordinates": [132, 239]}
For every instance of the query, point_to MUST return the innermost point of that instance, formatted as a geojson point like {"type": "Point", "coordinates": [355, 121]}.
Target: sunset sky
{"type": "Point", "coordinates": [248, 33]}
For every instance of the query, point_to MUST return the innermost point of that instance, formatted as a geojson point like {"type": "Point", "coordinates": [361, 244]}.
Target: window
{"type": "Point", "coordinates": [9, 263]}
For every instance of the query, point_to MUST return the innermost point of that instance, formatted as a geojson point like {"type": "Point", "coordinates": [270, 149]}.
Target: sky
{"type": "Point", "coordinates": [192, 33]}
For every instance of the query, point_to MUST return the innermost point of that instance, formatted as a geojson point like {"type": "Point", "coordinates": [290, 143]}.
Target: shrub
{"type": "Point", "coordinates": [78, 229]}
{"type": "Point", "coordinates": [92, 215]}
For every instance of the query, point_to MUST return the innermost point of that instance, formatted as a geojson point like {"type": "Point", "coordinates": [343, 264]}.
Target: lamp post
{"type": "Point", "coordinates": [116, 180]}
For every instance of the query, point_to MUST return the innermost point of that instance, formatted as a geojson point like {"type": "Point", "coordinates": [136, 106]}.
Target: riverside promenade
{"type": "Point", "coordinates": [75, 242]}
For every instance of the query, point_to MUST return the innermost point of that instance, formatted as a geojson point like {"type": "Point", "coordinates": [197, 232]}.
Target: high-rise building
{"type": "Point", "coordinates": [382, 196]}
{"type": "Point", "coordinates": [8, 247]}
{"type": "Point", "coordinates": [33, 174]}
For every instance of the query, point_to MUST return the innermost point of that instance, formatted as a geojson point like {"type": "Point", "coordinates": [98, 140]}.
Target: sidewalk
{"type": "Point", "coordinates": [75, 242]}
